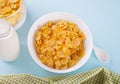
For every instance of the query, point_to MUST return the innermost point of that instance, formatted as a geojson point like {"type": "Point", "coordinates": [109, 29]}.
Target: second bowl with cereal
{"type": "Point", "coordinates": [60, 42]}
{"type": "Point", "coordinates": [14, 12]}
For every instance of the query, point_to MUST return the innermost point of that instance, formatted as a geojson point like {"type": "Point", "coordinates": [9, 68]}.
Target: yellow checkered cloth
{"type": "Point", "coordinates": [96, 76]}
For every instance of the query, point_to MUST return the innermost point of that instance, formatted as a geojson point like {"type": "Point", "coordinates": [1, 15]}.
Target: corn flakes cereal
{"type": "Point", "coordinates": [9, 7]}
{"type": "Point", "coordinates": [59, 44]}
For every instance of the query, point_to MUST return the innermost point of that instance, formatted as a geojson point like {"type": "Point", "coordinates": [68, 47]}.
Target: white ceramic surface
{"type": "Point", "coordinates": [54, 17]}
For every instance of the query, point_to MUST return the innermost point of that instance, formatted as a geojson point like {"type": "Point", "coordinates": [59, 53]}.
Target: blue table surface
{"type": "Point", "coordinates": [102, 17]}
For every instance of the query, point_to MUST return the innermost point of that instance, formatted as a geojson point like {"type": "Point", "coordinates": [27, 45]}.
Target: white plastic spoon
{"type": "Point", "coordinates": [101, 54]}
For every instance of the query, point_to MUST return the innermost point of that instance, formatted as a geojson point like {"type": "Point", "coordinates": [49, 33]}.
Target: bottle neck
{"type": "Point", "coordinates": [5, 28]}
{"type": "Point", "coordinates": [5, 34]}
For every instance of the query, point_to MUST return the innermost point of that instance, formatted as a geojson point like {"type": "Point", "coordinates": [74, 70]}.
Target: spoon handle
{"type": "Point", "coordinates": [101, 54]}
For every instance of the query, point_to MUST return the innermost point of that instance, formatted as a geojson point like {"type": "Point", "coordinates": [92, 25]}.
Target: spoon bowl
{"type": "Point", "coordinates": [101, 54]}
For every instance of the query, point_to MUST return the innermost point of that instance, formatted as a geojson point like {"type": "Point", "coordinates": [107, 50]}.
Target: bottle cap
{"type": "Point", "coordinates": [4, 28]}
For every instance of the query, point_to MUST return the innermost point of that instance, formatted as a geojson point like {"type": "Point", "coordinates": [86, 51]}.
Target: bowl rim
{"type": "Point", "coordinates": [32, 51]}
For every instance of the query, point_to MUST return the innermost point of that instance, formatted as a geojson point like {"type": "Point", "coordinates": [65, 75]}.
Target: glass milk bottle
{"type": "Point", "coordinates": [9, 42]}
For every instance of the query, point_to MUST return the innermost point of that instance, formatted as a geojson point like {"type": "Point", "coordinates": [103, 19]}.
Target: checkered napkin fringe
{"type": "Point", "coordinates": [96, 76]}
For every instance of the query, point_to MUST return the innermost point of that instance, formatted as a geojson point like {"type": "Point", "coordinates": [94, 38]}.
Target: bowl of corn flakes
{"type": "Point", "coordinates": [13, 11]}
{"type": "Point", "coordinates": [60, 42]}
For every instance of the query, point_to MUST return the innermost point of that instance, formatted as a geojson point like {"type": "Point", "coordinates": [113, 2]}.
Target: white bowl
{"type": "Point", "coordinates": [54, 17]}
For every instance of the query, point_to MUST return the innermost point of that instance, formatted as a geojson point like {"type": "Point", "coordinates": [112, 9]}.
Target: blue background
{"type": "Point", "coordinates": [102, 17]}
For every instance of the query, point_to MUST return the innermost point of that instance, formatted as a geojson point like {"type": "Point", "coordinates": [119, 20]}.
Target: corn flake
{"type": "Point", "coordinates": [59, 44]}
